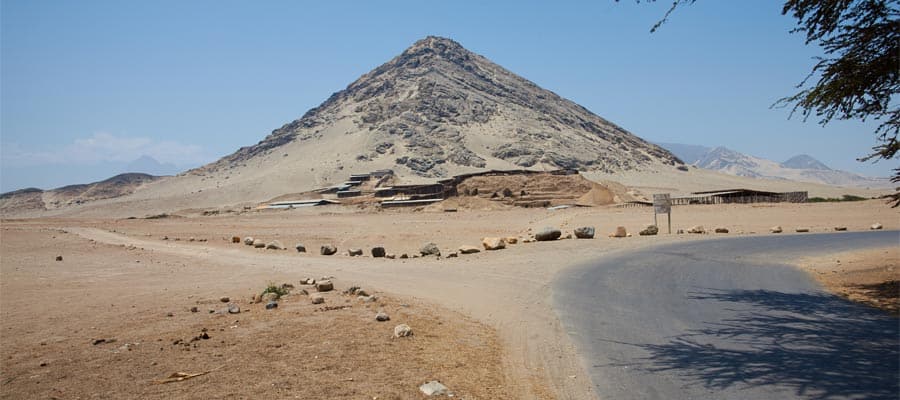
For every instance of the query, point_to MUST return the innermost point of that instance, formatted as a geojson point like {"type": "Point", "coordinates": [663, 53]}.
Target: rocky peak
{"type": "Point", "coordinates": [438, 107]}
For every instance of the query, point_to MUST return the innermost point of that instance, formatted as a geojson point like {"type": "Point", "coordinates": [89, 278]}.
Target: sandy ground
{"type": "Point", "coordinates": [869, 276]}
{"type": "Point", "coordinates": [513, 346]}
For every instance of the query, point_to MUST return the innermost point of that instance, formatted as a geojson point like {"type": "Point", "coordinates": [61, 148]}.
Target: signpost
{"type": "Point", "coordinates": [662, 204]}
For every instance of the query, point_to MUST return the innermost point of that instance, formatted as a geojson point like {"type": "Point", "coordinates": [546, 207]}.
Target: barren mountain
{"type": "Point", "coordinates": [800, 168]}
{"type": "Point", "coordinates": [33, 199]}
{"type": "Point", "coordinates": [438, 108]}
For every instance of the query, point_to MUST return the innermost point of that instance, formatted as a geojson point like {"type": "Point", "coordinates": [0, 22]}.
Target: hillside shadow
{"type": "Point", "coordinates": [819, 345]}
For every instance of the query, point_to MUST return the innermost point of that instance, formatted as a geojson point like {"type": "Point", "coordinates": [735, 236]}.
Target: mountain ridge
{"type": "Point", "coordinates": [800, 168]}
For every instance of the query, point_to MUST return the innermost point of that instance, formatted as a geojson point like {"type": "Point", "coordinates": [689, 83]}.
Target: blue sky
{"type": "Point", "coordinates": [87, 87]}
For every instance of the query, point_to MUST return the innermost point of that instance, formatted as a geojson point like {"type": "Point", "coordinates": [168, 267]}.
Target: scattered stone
{"type": "Point", "coordinates": [194, 309]}
{"type": "Point", "coordinates": [58, 258]}
{"type": "Point", "coordinates": [402, 330]}
{"type": "Point", "coordinates": [430, 249]}
{"type": "Point", "coordinates": [390, 256]}
{"type": "Point", "coordinates": [327, 250]}
{"type": "Point", "coordinates": [465, 249]}
{"type": "Point", "coordinates": [802, 229]}
{"type": "Point", "coordinates": [354, 252]}
{"type": "Point", "coordinates": [234, 308]}
{"type": "Point", "coordinates": [248, 241]}
{"type": "Point", "coordinates": [235, 239]}
{"type": "Point", "coordinates": [275, 245]}
{"type": "Point", "coordinates": [324, 286]}
{"type": "Point", "coordinates": [300, 248]}
{"type": "Point", "coordinates": [258, 243]}
{"type": "Point", "coordinates": [493, 243]}
{"type": "Point", "coordinates": [619, 233]}
{"type": "Point", "coordinates": [272, 304]}
{"type": "Point", "coordinates": [547, 234]}
{"type": "Point", "coordinates": [434, 388]}
{"type": "Point", "coordinates": [191, 239]}
{"type": "Point", "coordinates": [775, 229]}
{"type": "Point", "coordinates": [721, 230]}
{"type": "Point", "coordinates": [381, 317]}
{"type": "Point", "coordinates": [316, 298]}
{"type": "Point", "coordinates": [452, 255]}
{"type": "Point", "coordinates": [876, 226]}
{"type": "Point", "coordinates": [680, 232]}
{"type": "Point", "coordinates": [528, 240]}
{"type": "Point", "coordinates": [511, 240]}
{"type": "Point", "coordinates": [697, 229]}
{"type": "Point", "coordinates": [366, 299]}
{"type": "Point", "coordinates": [361, 292]}
{"type": "Point", "coordinates": [352, 290]}
{"type": "Point", "coordinates": [404, 255]}
{"type": "Point", "coordinates": [378, 252]}
{"type": "Point", "coordinates": [303, 292]}
{"type": "Point", "coordinates": [170, 314]}
{"type": "Point", "coordinates": [584, 232]}
{"type": "Point", "coordinates": [98, 341]}
{"type": "Point", "coordinates": [224, 299]}
{"type": "Point", "coordinates": [840, 228]}
{"type": "Point", "coordinates": [650, 230]}
{"type": "Point", "coordinates": [307, 281]}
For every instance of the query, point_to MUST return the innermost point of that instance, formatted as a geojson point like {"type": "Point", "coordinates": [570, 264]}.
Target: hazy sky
{"type": "Point", "coordinates": [87, 87]}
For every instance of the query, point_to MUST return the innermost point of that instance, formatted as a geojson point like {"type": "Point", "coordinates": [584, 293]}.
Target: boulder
{"type": "Point", "coordinates": [354, 252]}
{"type": "Point", "coordinates": [775, 229]}
{"type": "Point", "coordinates": [271, 305]}
{"type": "Point", "coordinates": [381, 317]}
{"type": "Point", "coordinates": [316, 298]}
{"type": "Point", "coordinates": [324, 286]}
{"type": "Point", "coordinates": [802, 229]}
{"type": "Point", "coordinates": [258, 243]}
{"type": "Point", "coordinates": [452, 255]}
{"type": "Point", "coordinates": [224, 299]}
{"type": "Point", "coordinates": [620, 232]}
{"type": "Point", "coordinates": [390, 256]}
{"type": "Point", "coordinates": [300, 248]}
{"type": "Point", "coordinates": [465, 249]}
{"type": "Point", "coordinates": [430, 249]}
{"type": "Point", "coordinates": [697, 229]}
{"type": "Point", "coordinates": [402, 330]}
{"type": "Point", "coordinates": [876, 226]}
{"type": "Point", "coordinates": [366, 299]}
{"type": "Point", "coordinates": [434, 388]}
{"type": "Point", "coordinates": [275, 245]}
{"type": "Point", "coordinates": [248, 241]}
{"type": "Point", "coordinates": [584, 232]}
{"type": "Point", "coordinates": [511, 240]}
{"type": "Point", "coordinates": [235, 239]}
{"type": "Point", "coordinates": [378, 252]}
{"type": "Point", "coordinates": [840, 228]}
{"type": "Point", "coordinates": [233, 308]}
{"type": "Point", "coordinates": [58, 258]}
{"type": "Point", "coordinates": [493, 243]}
{"type": "Point", "coordinates": [547, 234]}
{"type": "Point", "coordinates": [721, 230]}
{"type": "Point", "coordinates": [650, 230]}
{"type": "Point", "coordinates": [327, 250]}
{"type": "Point", "coordinates": [404, 255]}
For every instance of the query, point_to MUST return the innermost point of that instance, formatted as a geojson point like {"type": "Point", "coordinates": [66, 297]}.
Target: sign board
{"type": "Point", "coordinates": [662, 203]}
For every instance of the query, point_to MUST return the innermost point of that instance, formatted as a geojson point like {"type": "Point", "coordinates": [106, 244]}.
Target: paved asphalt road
{"type": "Point", "coordinates": [726, 319]}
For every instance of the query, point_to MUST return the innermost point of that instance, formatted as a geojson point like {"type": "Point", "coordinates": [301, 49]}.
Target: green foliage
{"type": "Point", "coordinates": [846, 197]}
{"type": "Point", "coordinates": [859, 74]}
{"type": "Point", "coordinates": [273, 288]}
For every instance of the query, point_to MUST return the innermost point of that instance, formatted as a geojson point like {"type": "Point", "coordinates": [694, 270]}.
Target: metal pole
{"type": "Point", "coordinates": [670, 221]}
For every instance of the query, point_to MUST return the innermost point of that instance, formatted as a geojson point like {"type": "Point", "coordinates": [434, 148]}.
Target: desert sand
{"type": "Point", "coordinates": [484, 323]}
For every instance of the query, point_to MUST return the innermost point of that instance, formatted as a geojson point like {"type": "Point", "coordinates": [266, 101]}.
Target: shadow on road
{"type": "Point", "coordinates": [820, 345]}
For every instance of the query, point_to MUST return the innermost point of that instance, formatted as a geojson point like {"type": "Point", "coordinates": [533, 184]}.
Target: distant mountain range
{"type": "Point", "coordinates": [801, 168]}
